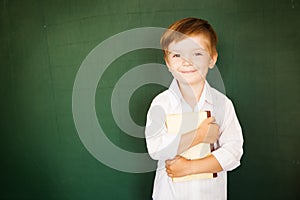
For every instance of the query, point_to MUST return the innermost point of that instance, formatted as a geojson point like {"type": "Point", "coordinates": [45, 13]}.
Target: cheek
{"type": "Point", "coordinates": [203, 64]}
{"type": "Point", "coordinates": [174, 73]}
{"type": "Point", "coordinates": [168, 64]}
{"type": "Point", "coordinates": [172, 67]}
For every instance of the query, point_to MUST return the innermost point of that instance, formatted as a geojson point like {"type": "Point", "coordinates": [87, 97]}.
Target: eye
{"type": "Point", "coordinates": [176, 55]}
{"type": "Point", "coordinates": [198, 54]}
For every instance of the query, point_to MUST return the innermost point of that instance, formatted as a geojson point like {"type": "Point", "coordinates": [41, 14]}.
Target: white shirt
{"type": "Point", "coordinates": [162, 146]}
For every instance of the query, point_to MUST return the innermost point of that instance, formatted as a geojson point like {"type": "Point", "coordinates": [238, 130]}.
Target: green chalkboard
{"type": "Point", "coordinates": [44, 43]}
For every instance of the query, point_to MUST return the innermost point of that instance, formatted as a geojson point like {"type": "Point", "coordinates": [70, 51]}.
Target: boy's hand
{"type": "Point", "coordinates": [208, 131]}
{"type": "Point", "coordinates": [177, 167]}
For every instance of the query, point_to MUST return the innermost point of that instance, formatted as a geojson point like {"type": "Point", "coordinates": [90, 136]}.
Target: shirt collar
{"type": "Point", "coordinates": [205, 96]}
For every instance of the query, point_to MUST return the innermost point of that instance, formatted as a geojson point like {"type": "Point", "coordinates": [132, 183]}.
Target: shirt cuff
{"type": "Point", "coordinates": [227, 161]}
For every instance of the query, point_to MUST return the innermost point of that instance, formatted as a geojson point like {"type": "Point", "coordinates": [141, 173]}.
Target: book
{"type": "Point", "coordinates": [184, 123]}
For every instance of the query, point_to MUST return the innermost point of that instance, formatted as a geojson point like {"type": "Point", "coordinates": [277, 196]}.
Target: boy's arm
{"type": "Point", "coordinates": [160, 145]}
{"type": "Point", "coordinates": [181, 166]}
{"type": "Point", "coordinates": [231, 141]}
{"type": "Point", "coordinates": [207, 132]}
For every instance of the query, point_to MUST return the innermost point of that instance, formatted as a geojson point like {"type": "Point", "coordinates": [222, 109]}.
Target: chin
{"type": "Point", "coordinates": [190, 81]}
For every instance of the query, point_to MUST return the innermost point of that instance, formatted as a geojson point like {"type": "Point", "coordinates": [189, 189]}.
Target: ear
{"type": "Point", "coordinates": [213, 60]}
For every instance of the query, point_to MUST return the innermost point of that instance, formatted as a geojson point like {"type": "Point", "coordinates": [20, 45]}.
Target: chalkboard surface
{"type": "Point", "coordinates": [44, 43]}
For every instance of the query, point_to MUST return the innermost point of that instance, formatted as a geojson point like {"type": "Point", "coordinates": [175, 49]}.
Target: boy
{"type": "Point", "coordinates": [190, 50]}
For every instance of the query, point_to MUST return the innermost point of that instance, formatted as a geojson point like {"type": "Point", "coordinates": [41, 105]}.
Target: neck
{"type": "Point", "coordinates": [192, 92]}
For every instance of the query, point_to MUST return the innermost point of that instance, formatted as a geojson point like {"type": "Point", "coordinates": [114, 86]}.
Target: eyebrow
{"type": "Point", "coordinates": [179, 51]}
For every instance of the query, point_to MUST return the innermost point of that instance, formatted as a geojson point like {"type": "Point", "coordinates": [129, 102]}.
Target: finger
{"type": "Point", "coordinates": [214, 137]}
{"type": "Point", "coordinates": [171, 162]}
{"type": "Point", "coordinates": [212, 120]}
{"type": "Point", "coordinates": [209, 120]}
{"type": "Point", "coordinates": [168, 162]}
{"type": "Point", "coordinates": [169, 172]}
{"type": "Point", "coordinates": [167, 167]}
{"type": "Point", "coordinates": [214, 125]}
{"type": "Point", "coordinates": [215, 130]}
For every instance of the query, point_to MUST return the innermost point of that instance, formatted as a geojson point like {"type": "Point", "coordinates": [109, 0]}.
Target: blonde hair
{"type": "Point", "coordinates": [190, 27]}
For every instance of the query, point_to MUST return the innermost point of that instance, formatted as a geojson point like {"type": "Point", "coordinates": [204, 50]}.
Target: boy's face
{"type": "Point", "coordinates": [189, 60]}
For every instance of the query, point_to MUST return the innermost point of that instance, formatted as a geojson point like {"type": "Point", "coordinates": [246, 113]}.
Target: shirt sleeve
{"type": "Point", "coordinates": [160, 144]}
{"type": "Point", "coordinates": [231, 140]}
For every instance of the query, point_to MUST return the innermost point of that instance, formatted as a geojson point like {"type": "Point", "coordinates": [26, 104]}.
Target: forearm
{"type": "Point", "coordinates": [188, 140]}
{"type": "Point", "coordinates": [180, 166]}
{"type": "Point", "coordinates": [208, 132]}
{"type": "Point", "coordinates": [208, 164]}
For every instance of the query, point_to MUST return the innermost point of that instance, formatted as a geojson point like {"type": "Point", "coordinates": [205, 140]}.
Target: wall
{"type": "Point", "coordinates": [43, 43]}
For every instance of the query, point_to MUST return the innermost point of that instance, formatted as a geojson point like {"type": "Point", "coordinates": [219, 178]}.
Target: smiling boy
{"type": "Point", "coordinates": [190, 51]}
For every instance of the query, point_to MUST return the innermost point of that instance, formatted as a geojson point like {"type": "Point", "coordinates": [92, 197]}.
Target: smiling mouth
{"type": "Point", "coordinates": [188, 71]}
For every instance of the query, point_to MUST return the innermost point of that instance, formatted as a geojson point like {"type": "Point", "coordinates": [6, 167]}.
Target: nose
{"type": "Point", "coordinates": [186, 61]}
